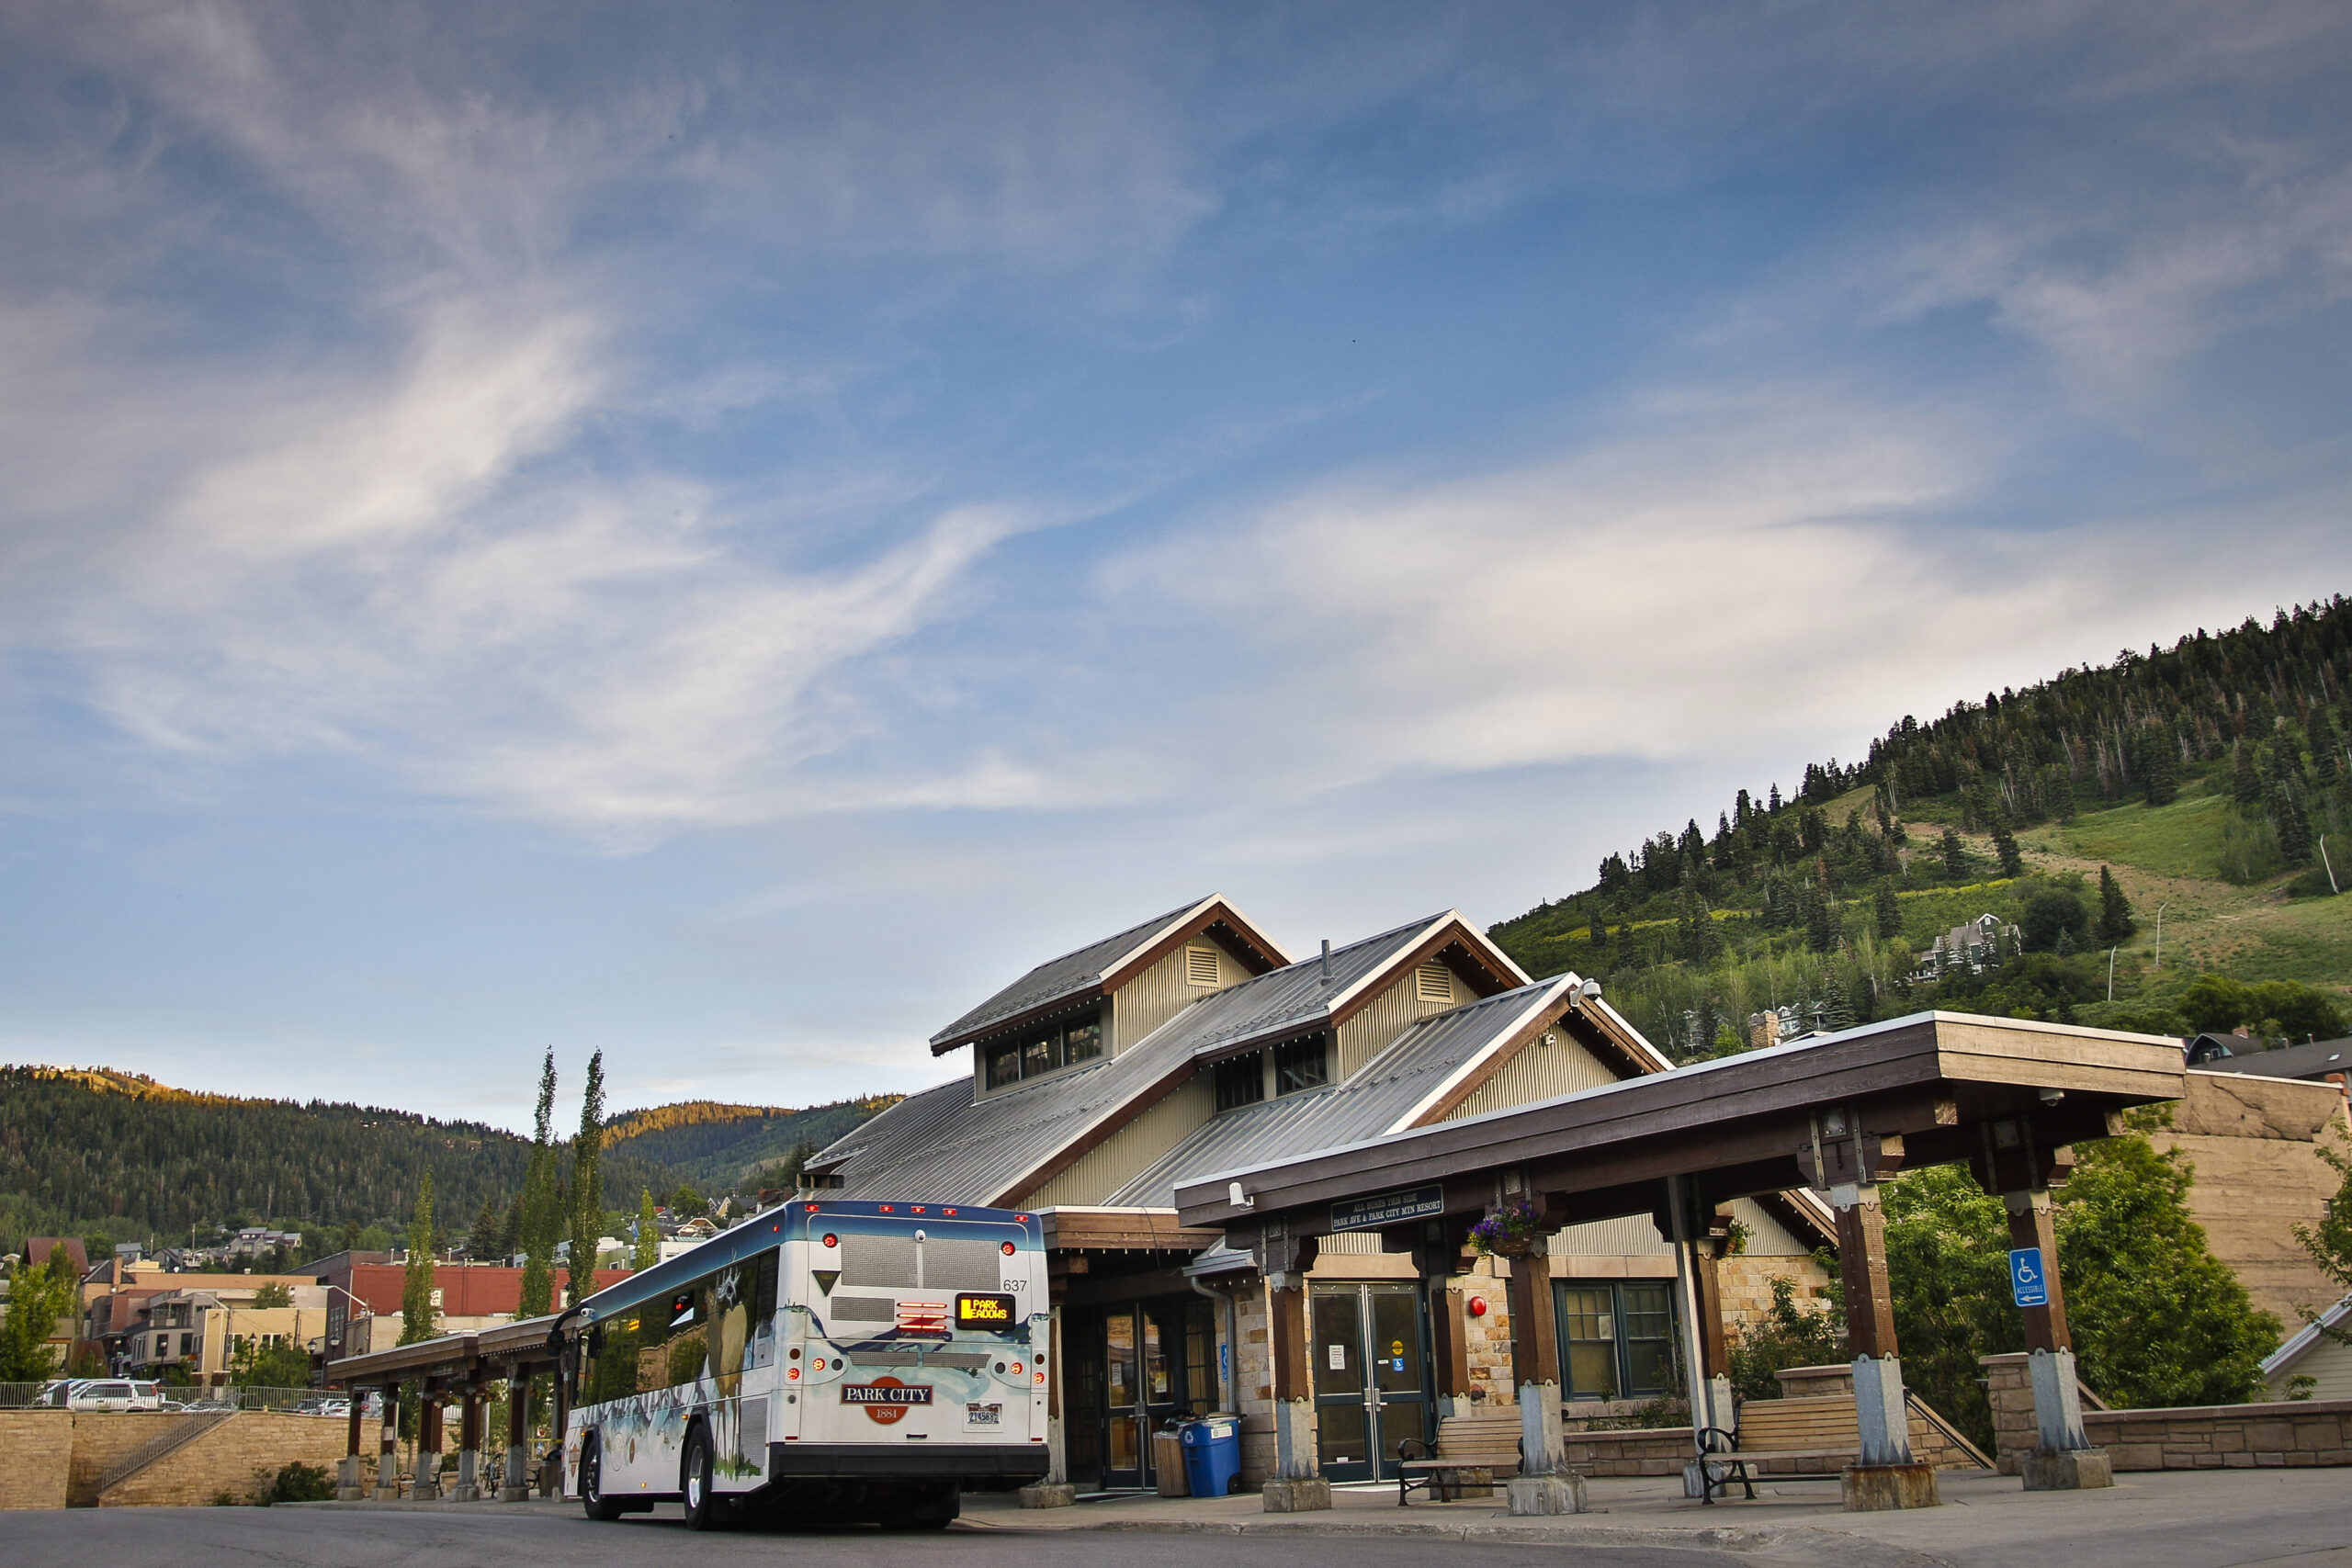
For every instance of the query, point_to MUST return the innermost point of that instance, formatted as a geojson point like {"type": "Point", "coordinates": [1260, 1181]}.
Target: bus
{"type": "Point", "coordinates": [837, 1359]}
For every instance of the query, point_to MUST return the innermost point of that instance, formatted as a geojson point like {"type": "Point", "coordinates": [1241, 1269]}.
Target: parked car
{"type": "Point", "coordinates": [110, 1394]}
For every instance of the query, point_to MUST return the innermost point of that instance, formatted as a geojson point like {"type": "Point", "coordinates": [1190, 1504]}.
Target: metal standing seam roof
{"type": "Point", "coordinates": [943, 1145]}
{"type": "Point", "coordinates": [1380, 1097]}
{"type": "Point", "coordinates": [2314, 1062]}
{"type": "Point", "coordinates": [1072, 974]}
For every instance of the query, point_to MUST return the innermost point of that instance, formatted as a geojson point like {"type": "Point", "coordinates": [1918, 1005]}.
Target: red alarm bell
{"type": "Point", "coordinates": [1478, 1306]}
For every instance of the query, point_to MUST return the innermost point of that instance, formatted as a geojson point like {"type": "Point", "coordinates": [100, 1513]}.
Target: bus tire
{"type": "Point", "coordinates": [936, 1511]}
{"type": "Point", "coordinates": [593, 1501]}
{"type": "Point", "coordinates": [694, 1491]}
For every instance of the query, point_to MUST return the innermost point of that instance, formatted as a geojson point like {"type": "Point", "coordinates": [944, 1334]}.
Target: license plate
{"type": "Point", "coordinates": [983, 1415]}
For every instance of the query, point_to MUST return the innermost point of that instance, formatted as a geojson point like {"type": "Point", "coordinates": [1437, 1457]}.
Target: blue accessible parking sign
{"type": "Point", "coordinates": [2027, 1287]}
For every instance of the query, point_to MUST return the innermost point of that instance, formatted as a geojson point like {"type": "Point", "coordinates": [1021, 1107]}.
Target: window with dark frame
{"type": "Point", "coordinates": [1043, 1050]}
{"type": "Point", "coordinates": [1240, 1080]}
{"type": "Point", "coordinates": [1301, 1064]}
{"type": "Point", "coordinates": [1619, 1338]}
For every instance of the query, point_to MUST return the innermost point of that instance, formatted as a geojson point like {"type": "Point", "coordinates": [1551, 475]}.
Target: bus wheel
{"type": "Point", "coordinates": [937, 1511]}
{"type": "Point", "coordinates": [694, 1482]}
{"type": "Point", "coordinates": [592, 1500]}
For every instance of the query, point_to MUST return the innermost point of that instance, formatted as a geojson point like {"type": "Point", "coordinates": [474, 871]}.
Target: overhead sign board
{"type": "Point", "coordinates": [1384, 1209]}
{"type": "Point", "coordinates": [2027, 1286]}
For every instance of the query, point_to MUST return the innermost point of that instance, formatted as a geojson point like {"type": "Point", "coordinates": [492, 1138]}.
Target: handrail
{"type": "Point", "coordinates": [1912, 1401]}
{"type": "Point", "coordinates": [185, 1430]}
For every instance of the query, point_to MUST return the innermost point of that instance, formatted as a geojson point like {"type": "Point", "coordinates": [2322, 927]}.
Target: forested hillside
{"type": "Point", "coordinates": [2208, 781]}
{"type": "Point", "coordinates": [718, 1147]}
{"type": "Point", "coordinates": [91, 1151]}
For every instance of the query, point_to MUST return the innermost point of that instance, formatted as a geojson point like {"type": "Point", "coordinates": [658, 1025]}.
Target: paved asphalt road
{"type": "Point", "coordinates": [310, 1538]}
{"type": "Point", "coordinates": [2310, 1527]}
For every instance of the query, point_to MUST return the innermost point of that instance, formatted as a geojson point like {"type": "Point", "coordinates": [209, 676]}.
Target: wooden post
{"type": "Point", "coordinates": [514, 1487]}
{"type": "Point", "coordinates": [2062, 1458]}
{"type": "Point", "coordinates": [358, 1412]}
{"type": "Point", "coordinates": [470, 1444]}
{"type": "Point", "coordinates": [387, 1458]}
{"type": "Point", "coordinates": [428, 1443]}
{"type": "Point", "coordinates": [1545, 1484]}
{"type": "Point", "coordinates": [2030, 1225]}
{"type": "Point", "coordinates": [1293, 1379]}
{"type": "Point", "coordinates": [1861, 1265]}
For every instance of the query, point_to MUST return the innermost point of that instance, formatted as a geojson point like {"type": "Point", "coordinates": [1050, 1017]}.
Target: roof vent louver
{"type": "Point", "coordinates": [1200, 967]}
{"type": "Point", "coordinates": [1432, 984]}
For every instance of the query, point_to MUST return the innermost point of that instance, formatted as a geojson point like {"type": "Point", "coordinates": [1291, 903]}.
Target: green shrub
{"type": "Point", "coordinates": [299, 1483]}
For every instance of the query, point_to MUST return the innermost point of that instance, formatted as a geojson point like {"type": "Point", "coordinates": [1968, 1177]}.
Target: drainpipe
{"type": "Point", "coordinates": [1229, 1368]}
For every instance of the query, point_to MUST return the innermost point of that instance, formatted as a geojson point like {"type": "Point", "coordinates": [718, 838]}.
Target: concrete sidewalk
{"type": "Point", "coordinates": [2188, 1518]}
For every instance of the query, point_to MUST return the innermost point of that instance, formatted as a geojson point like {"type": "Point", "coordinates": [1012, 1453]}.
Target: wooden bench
{"type": "Point", "coordinates": [1465, 1445]}
{"type": "Point", "coordinates": [1818, 1436]}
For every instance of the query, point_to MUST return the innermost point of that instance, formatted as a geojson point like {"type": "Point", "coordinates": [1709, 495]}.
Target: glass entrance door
{"type": "Point", "coordinates": [1371, 1377]}
{"type": "Point", "coordinates": [1146, 1378]}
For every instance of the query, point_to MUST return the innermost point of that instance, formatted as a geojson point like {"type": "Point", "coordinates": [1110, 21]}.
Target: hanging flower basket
{"type": "Point", "coordinates": [1508, 1231]}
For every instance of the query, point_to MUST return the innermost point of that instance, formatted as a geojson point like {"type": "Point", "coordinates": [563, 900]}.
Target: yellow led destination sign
{"type": "Point", "coordinates": [985, 1312]}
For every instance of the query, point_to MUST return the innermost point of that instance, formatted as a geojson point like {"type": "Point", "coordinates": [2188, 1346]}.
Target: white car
{"type": "Point", "coordinates": [113, 1394]}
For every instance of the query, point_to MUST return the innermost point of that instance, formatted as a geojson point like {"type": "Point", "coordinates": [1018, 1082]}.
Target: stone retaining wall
{"type": "Point", "coordinates": [36, 1454]}
{"type": "Point", "coordinates": [53, 1459]}
{"type": "Point", "coordinates": [2285, 1433]}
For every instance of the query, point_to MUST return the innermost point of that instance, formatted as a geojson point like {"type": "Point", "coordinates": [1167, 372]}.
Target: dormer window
{"type": "Point", "coordinates": [1200, 966]}
{"type": "Point", "coordinates": [1041, 1050]}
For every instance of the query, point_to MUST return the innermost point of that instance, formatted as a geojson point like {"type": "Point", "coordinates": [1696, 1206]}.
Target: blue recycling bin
{"type": "Point", "coordinates": [1212, 1456]}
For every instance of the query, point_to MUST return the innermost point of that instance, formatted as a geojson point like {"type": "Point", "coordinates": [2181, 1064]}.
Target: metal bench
{"type": "Point", "coordinates": [1465, 1445]}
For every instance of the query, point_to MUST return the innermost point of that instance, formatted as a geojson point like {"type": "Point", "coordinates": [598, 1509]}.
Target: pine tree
{"type": "Point", "coordinates": [2159, 763]}
{"type": "Point", "coordinates": [2115, 921]}
{"type": "Point", "coordinates": [1955, 856]}
{"type": "Point", "coordinates": [587, 1185]}
{"type": "Point", "coordinates": [648, 1251]}
{"type": "Point", "coordinates": [1820, 920]}
{"type": "Point", "coordinates": [2328, 749]}
{"type": "Point", "coordinates": [416, 1286]}
{"type": "Point", "coordinates": [2004, 844]}
{"type": "Point", "coordinates": [482, 1237]}
{"type": "Point", "coordinates": [540, 1215]}
{"type": "Point", "coordinates": [1599, 932]}
{"type": "Point", "coordinates": [2246, 783]}
{"type": "Point", "coordinates": [1888, 913]}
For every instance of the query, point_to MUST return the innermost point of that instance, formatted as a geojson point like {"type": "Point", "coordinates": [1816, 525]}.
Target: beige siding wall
{"type": "Point", "coordinates": [2327, 1363]}
{"type": "Point", "coordinates": [1376, 1027]}
{"type": "Point", "coordinates": [1537, 1072]}
{"type": "Point", "coordinates": [1160, 992]}
{"type": "Point", "coordinates": [1111, 1164]}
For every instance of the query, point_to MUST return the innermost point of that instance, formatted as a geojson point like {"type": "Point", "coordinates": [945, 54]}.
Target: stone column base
{"type": "Point", "coordinates": [2065, 1469]}
{"type": "Point", "coordinates": [1872, 1487]}
{"type": "Point", "coordinates": [349, 1486]}
{"type": "Point", "coordinates": [1301, 1496]}
{"type": "Point", "coordinates": [465, 1492]}
{"type": "Point", "coordinates": [1048, 1495]}
{"type": "Point", "coordinates": [514, 1494]}
{"type": "Point", "coordinates": [1531, 1495]}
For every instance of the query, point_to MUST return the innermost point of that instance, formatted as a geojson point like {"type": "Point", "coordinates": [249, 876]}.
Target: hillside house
{"type": "Point", "coordinates": [1973, 946]}
{"type": "Point", "coordinates": [1192, 1044]}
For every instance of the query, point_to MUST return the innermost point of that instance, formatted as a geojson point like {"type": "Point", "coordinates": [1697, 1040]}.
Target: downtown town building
{"type": "Point", "coordinates": [1192, 1044]}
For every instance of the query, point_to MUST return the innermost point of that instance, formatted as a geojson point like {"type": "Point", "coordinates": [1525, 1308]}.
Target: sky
{"type": "Point", "coordinates": [722, 534]}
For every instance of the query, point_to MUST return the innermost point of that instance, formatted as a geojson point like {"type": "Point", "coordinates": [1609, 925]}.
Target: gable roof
{"type": "Point", "coordinates": [1413, 1078]}
{"type": "Point", "coordinates": [2300, 1344]}
{"type": "Point", "coordinates": [1105, 965]}
{"type": "Point", "coordinates": [944, 1145]}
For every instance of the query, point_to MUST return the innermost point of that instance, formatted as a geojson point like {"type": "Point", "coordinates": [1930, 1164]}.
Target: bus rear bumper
{"type": "Point", "coordinates": [969, 1464]}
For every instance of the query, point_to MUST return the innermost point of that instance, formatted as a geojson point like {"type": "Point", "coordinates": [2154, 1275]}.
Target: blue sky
{"type": "Point", "coordinates": [723, 533]}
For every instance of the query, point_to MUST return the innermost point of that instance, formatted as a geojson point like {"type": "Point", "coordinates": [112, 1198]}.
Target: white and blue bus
{"type": "Point", "coordinates": [842, 1359]}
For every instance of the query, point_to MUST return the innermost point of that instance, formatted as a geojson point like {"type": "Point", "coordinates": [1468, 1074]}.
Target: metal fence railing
{"type": "Point", "coordinates": [307, 1401]}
